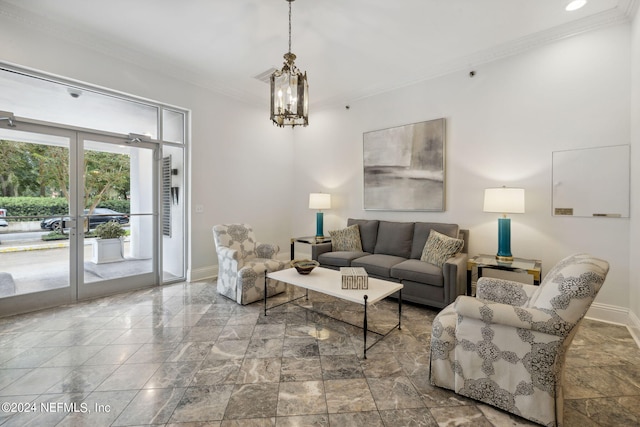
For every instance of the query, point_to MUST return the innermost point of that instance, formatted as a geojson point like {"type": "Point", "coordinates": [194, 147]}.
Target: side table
{"type": "Point", "coordinates": [310, 240]}
{"type": "Point", "coordinates": [520, 265]}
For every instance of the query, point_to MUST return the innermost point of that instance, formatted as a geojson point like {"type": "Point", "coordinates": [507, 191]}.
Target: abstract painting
{"type": "Point", "coordinates": [404, 167]}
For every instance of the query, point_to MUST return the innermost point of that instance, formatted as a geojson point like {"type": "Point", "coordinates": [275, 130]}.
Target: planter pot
{"type": "Point", "coordinates": [107, 250]}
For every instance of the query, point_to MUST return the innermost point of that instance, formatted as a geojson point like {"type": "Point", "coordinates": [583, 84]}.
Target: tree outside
{"type": "Point", "coordinates": [36, 170]}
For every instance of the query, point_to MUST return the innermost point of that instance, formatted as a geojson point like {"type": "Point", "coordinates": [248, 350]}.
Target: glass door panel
{"type": "Point", "coordinates": [119, 195]}
{"type": "Point", "coordinates": [37, 217]}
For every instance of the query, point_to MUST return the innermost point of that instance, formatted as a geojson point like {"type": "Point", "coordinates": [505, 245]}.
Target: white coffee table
{"type": "Point", "coordinates": [329, 282]}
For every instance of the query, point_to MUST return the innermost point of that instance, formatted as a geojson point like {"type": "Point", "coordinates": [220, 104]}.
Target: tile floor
{"type": "Point", "coordinates": [183, 355]}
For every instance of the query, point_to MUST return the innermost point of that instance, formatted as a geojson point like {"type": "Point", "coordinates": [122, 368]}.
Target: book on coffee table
{"type": "Point", "coordinates": [354, 278]}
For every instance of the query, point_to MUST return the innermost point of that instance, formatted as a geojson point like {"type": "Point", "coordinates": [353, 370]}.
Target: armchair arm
{"type": "Point", "coordinates": [319, 249]}
{"type": "Point", "coordinates": [267, 250]}
{"type": "Point", "coordinates": [454, 271]}
{"type": "Point", "coordinates": [504, 291]}
{"type": "Point", "coordinates": [224, 252]}
{"type": "Point", "coordinates": [533, 319]}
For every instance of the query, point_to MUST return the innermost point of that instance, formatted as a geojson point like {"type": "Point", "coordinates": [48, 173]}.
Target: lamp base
{"type": "Point", "coordinates": [319, 226]}
{"type": "Point", "coordinates": [504, 240]}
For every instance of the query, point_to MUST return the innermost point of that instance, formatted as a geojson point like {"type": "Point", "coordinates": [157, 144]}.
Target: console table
{"type": "Point", "coordinates": [520, 265]}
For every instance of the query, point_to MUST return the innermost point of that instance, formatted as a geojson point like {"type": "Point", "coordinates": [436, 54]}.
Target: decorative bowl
{"type": "Point", "coordinates": [304, 266]}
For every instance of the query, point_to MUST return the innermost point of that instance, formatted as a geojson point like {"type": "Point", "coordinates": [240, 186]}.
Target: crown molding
{"type": "Point", "coordinates": [624, 12]}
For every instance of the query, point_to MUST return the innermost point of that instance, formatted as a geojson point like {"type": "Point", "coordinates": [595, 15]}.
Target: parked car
{"type": "Point", "coordinates": [3, 223]}
{"type": "Point", "coordinates": [99, 216]}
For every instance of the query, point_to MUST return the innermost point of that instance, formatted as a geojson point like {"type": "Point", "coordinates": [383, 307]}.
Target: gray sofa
{"type": "Point", "coordinates": [392, 250]}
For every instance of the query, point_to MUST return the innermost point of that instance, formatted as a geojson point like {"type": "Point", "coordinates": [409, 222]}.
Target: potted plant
{"type": "Point", "coordinates": [108, 245]}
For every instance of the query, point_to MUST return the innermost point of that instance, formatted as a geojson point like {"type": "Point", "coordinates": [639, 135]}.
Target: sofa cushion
{"type": "Point", "coordinates": [394, 238]}
{"type": "Point", "coordinates": [440, 248]}
{"type": "Point", "coordinates": [368, 232]}
{"type": "Point", "coordinates": [346, 239]}
{"type": "Point", "coordinates": [340, 259]}
{"type": "Point", "coordinates": [377, 264]}
{"type": "Point", "coordinates": [418, 271]}
{"type": "Point", "coordinates": [421, 232]}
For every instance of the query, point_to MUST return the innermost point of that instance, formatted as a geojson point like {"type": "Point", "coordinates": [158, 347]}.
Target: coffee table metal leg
{"type": "Point", "coordinates": [365, 326]}
{"type": "Point", "coordinates": [400, 309]}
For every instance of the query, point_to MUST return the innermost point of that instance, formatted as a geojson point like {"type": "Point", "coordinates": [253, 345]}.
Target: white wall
{"type": "Point", "coordinates": [502, 127]}
{"type": "Point", "coordinates": [634, 300]}
{"type": "Point", "coordinates": [240, 163]}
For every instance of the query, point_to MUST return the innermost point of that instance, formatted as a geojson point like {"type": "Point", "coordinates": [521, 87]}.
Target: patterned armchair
{"type": "Point", "coordinates": [242, 263]}
{"type": "Point", "coordinates": [507, 346]}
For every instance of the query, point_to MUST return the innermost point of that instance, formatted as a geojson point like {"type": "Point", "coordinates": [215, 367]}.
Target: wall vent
{"type": "Point", "coordinates": [265, 76]}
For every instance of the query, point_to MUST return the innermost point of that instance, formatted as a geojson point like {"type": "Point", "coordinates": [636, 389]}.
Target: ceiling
{"type": "Point", "coordinates": [350, 49]}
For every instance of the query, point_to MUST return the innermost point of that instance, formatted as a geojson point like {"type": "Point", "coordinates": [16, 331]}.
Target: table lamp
{"type": "Point", "coordinates": [319, 201]}
{"type": "Point", "coordinates": [504, 200]}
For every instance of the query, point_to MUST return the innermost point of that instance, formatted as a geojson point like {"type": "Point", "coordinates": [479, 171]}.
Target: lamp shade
{"type": "Point", "coordinates": [319, 201]}
{"type": "Point", "coordinates": [504, 200]}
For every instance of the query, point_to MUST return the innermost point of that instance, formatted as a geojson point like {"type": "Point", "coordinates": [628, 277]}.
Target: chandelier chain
{"type": "Point", "coordinates": [290, 1]}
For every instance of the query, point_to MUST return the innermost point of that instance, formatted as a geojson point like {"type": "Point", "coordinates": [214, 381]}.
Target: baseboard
{"type": "Point", "coordinates": [204, 273]}
{"type": "Point", "coordinates": [618, 315]}
{"type": "Point", "coordinates": [608, 313]}
{"type": "Point", "coordinates": [634, 327]}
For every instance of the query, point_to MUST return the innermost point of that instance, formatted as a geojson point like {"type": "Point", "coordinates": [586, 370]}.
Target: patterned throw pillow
{"type": "Point", "coordinates": [440, 248]}
{"type": "Point", "coordinates": [347, 239]}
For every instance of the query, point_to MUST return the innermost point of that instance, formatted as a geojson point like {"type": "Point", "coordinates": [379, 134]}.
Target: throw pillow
{"type": "Point", "coordinates": [347, 239]}
{"type": "Point", "coordinates": [440, 248]}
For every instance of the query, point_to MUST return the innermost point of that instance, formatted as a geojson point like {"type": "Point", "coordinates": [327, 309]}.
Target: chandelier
{"type": "Point", "coordinates": [289, 91]}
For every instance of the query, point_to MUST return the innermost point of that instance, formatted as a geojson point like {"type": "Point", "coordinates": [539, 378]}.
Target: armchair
{"type": "Point", "coordinates": [506, 347]}
{"type": "Point", "coordinates": [242, 262]}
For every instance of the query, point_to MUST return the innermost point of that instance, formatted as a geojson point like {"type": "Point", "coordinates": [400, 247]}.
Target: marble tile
{"type": "Point", "coordinates": [268, 347]}
{"type": "Point", "coordinates": [460, 416]}
{"type": "Point", "coordinates": [202, 404]}
{"type": "Point", "coordinates": [622, 411]}
{"type": "Point", "coordinates": [351, 395]}
{"type": "Point", "coordinates": [228, 349]}
{"type": "Point", "coordinates": [369, 419]}
{"type": "Point", "coordinates": [433, 396]}
{"type": "Point", "coordinates": [381, 365]}
{"type": "Point", "coordinates": [113, 354]}
{"type": "Point", "coordinates": [35, 381]}
{"type": "Point", "coordinates": [394, 393]}
{"type": "Point", "coordinates": [253, 401]}
{"type": "Point", "coordinates": [418, 417]}
{"type": "Point", "coordinates": [31, 358]}
{"type": "Point", "coordinates": [215, 371]}
{"type": "Point", "coordinates": [300, 347]}
{"type": "Point", "coordinates": [300, 369]}
{"type": "Point", "coordinates": [173, 375]}
{"type": "Point", "coordinates": [264, 370]}
{"type": "Point", "coordinates": [182, 355]}
{"type": "Point", "coordinates": [341, 367]}
{"type": "Point", "coordinates": [304, 420]}
{"type": "Point", "coordinates": [152, 406]}
{"type": "Point", "coordinates": [83, 379]}
{"type": "Point", "coordinates": [190, 351]}
{"type": "Point", "coordinates": [301, 398]}
{"type": "Point", "coordinates": [236, 332]}
{"type": "Point", "coordinates": [129, 377]}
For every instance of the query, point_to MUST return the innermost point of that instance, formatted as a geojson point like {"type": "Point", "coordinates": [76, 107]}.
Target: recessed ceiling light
{"type": "Point", "coordinates": [575, 5]}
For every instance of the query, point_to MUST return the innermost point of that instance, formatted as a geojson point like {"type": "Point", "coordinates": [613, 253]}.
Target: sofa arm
{"type": "Point", "coordinates": [267, 250]}
{"type": "Point", "coordinates": [504, 291]}
{"type": "Point", "coordinates": [454, 271]}
{"type": "Point", "coordinates": [319, 249]}
{"type": "Point", "coordinates": [529, 318]}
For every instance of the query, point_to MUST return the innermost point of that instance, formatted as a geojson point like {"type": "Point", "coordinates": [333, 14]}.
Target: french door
{"type": "Point", "coordinates": [85, 179]}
